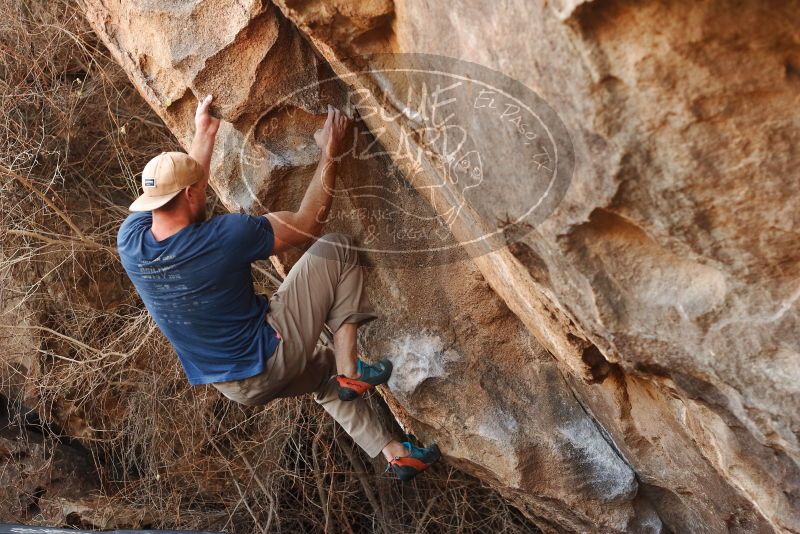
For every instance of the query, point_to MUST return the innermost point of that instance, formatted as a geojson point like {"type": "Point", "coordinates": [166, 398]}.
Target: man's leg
{"type": "Point", "coordinates": [326, 286]}
{"type": "Point", "coordinates": [356, 417]}
{"type": "Point", "coordinates": [345, 346]}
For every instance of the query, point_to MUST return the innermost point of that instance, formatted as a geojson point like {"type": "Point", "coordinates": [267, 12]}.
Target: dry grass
{"type": "Point", "coordinates": [80, 350]}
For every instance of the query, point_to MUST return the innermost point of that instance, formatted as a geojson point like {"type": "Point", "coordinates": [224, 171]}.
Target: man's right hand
{"type": "Point", "coordinates": [330, 139]}
{"type": "Point", "coordinates": [204, 122]}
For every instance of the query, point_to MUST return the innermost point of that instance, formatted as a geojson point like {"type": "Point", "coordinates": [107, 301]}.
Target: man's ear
{"type": "Point", "coordinates": [189, 192]}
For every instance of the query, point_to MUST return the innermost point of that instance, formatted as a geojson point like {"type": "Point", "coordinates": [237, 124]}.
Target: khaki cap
{"type": "Point", "coordinates": [164, 177]}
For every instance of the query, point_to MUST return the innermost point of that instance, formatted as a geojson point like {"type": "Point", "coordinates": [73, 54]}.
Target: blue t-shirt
{"type": "Point", "coordinates": [198, 288]}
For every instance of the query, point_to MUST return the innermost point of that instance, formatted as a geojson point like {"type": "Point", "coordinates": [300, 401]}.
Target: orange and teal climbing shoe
{"type": "Point", "coordinates": [369, 376]}
{"type": "Point", "coordinates": [418, 460]}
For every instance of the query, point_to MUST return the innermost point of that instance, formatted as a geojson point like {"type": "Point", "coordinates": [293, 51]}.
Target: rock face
{"type": "Point", "coordinates": [632, 362]}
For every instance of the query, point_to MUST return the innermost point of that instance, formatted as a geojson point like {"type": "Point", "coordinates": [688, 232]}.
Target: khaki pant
{"type": "Point", "coordinates": [325, 286]}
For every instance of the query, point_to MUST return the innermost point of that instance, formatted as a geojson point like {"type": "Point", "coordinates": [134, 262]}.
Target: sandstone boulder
{"type": "Point", "coordinates": [630, 362]}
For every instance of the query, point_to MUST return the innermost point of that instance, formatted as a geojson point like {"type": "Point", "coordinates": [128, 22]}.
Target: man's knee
{"type": "Point", "coordinates": [333, 246]}
{"type": "Point", "coordinates": [338, 239]}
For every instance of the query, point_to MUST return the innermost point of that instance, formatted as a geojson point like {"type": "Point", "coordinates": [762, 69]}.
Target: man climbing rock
{"type": "Point", "coordinates": [194, 277]}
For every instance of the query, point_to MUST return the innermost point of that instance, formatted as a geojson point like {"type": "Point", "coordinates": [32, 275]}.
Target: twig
{"type": "Point", "coordinates": [261, 485]}
{"type": "Point", "coordinates": [360, 472]}
{"type": "Point", "coordinates": [271, 277]}
{"type": "Point", "coordinates": [27, 183]}
{"type": "Point", "coordinates": [102, 354]}
{"type": "Point", "coordinates": [88, 243]}
{"type": "Point", "coordinates": [239, 489]}
{"type": "Point", "coordinates": [421, 522]}
{"type": "Point", "coordinates": [244, 501]}
{"type": "Point", "coordinates": [323, 495]}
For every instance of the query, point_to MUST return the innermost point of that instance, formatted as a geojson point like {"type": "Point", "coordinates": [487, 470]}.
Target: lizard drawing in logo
{"type": "Point", "coordinates": [448, 199]}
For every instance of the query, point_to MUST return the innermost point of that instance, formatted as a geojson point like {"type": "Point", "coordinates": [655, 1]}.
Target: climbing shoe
{"type": "Point", "coordinates": [419, 459]}
{"type": "Point", "coordinates": [369, 376]}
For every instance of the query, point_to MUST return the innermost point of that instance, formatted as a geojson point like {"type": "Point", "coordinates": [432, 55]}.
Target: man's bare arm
{"type": "Point", "coordinates": [295, 229]}
{"type": "Point", "coordinates": [205, 133]}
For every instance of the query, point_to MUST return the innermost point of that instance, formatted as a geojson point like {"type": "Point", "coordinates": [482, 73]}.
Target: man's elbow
{"type": "Point", "coordinates": [314, 225]}
{"type": "Point", "coordinates": [314, 231]}
{"type": "Point", "coordinates": [306, 230]}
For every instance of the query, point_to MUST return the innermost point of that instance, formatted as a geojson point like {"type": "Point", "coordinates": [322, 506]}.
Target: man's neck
{"type": "Point", "coordinates": [166, 225]}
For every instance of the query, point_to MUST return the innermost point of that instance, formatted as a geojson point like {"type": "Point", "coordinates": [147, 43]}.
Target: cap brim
{"type": "Point", "coordinates": [148, 203]}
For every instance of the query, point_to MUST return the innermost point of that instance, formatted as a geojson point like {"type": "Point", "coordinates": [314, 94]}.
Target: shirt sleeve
{"type": "Point", "coordinates": [130, 233]}
{"type": "Point", "coordinates": [133, 223]}
{"type": "Point", "coordinates": [247, 237]}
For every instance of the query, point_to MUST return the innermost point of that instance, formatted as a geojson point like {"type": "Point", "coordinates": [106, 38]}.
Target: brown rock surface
{"type": "Point", "coordinates": [630, 365]}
